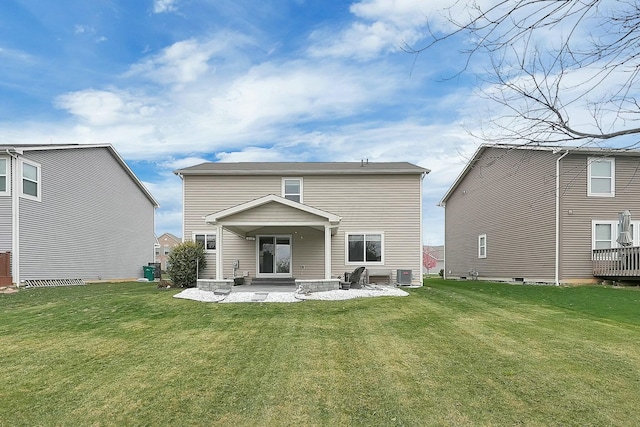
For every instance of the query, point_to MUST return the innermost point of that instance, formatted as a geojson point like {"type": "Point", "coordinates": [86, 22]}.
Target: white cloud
{"type": "Point", "coordinates": [81, 29]}
{"type": "Point", "coordinates": [102, 107]}
{"type": "Point", "coordinates": [380, 26]}
{"type": "Point", "coordinates": [182, 163]}
{"type": "Point", "coordinates": [164, 6]}
{"type": "Point", "coordinates": [182, 62]}
{"type": "Point", "coordinates": [399, 12]}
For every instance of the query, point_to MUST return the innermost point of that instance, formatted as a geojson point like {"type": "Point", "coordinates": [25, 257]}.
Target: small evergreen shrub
{"type": "Point", "coordinates": [184, 263]}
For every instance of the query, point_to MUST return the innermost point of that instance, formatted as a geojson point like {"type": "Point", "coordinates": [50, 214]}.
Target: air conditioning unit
{"type": "Point", "coordinates": [404, 277]}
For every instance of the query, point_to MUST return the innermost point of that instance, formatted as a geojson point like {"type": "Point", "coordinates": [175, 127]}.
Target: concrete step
{"type": "Point", "coordinates": [277, 281]}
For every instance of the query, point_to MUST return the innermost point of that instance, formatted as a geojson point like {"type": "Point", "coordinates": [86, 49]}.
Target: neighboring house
{"type": "Point", "coordinates": [433, 257]}
{"type": "Point", "coordinates": [305, 220]}
{"type": "Point", "coordinates": [166, 243]}
{"type": "Point", "coordinates": [73, 212]}
{"type": "Point", "coordinates": [540, 214]}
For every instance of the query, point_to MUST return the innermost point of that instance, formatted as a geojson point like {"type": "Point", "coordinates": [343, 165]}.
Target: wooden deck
{"type": "Point", "coordinates": [623, 263]}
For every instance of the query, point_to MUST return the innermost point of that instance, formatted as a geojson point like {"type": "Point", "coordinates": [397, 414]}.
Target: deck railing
{"type": "Point", "coordinates": [617, 262]}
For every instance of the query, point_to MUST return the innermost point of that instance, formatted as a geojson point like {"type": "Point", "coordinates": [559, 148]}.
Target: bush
{"type": "Point", "coordinates": [441, 273]}
{"type": "Point", "coordinates": [184, 263]}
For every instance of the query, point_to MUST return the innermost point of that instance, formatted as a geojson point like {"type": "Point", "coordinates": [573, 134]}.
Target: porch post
{"type": "Point", "coordinates": [327, 252]}
{"type": "Point", "coordinates": [219, 246]}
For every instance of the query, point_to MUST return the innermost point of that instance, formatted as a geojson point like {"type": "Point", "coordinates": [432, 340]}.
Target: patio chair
{"type": "Point", "coordinates": [353, 279]}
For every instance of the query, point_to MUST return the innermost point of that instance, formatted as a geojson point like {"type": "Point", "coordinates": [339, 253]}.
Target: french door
{"type": "Point", "coordinates": [274, 256]}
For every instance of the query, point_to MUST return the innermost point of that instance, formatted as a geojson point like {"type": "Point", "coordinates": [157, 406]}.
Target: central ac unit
{"type": "Point", "coordinates": [404, 277]}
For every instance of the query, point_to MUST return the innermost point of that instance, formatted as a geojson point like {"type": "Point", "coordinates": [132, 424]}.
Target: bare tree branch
{"type": "Point", "coordinates": [589, 70]}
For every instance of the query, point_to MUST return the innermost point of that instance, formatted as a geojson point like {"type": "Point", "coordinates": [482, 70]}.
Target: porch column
{"type": "Point", "coordinates": [327, 252]}
{"type": "Point", "coordinates": [219, 258]}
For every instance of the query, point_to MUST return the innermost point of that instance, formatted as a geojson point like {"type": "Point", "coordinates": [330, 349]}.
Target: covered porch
{"type": "Point", "coordinates": [267, 236]}
{"type": "Point", "coordinates": [617, 263]}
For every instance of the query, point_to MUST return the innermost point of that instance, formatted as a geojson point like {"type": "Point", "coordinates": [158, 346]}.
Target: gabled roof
{"type": "Point", "coordinates": [302, 168]}
{"type": "Point", "coordinates": [215, 217]}
{"type": "Point", "coordinates": [170, 236]}
{"type": "Point", "coordinates": [596, 151]}
{"type": "Point", "coordinates": [22, 148]}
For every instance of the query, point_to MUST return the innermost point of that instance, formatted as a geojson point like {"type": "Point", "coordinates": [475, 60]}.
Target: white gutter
{"type": "Point", "coordinates": [557, 265]}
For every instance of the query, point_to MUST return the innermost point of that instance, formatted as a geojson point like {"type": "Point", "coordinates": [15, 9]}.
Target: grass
{"type": "Point", "coordinates": [452, 353]}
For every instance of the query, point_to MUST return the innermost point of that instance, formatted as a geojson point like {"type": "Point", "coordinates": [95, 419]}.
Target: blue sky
{"type": "Point", "coordinates": [172, 83]}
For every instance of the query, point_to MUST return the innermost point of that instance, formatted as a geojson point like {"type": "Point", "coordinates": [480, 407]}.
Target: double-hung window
{"type": "Point", "coordinates": [604, 234]}
{"type": "Point", "coordinates": [292, 189]}
{"type": "Point", "coordinates": [208, 240]}
{"type": "Point", "coordinates": [365, 248]}
{"type": "Point", "coordinates": [601, 180]}
{"type": "Point", "coordinates": [4, 175]}
{"type": "Point", "coordinates": [30, 180]}
{"type": "Point", "coordinates": [482, 246]}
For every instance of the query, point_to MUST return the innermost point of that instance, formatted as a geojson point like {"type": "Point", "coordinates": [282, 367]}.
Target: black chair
{"type": "Point", "coordinates": [353, 279]}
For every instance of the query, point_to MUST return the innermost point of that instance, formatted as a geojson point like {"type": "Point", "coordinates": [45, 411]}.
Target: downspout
{"type": "Point", "coordinates": [421, 276]}
{"type": "Point", "coordinates": [15, 220]}
{"type": "Point", "coordinates": [557, 261]}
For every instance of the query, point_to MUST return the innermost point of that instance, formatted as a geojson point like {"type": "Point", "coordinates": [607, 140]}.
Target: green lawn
{"type": "Point", "coordinates": [452, 353]}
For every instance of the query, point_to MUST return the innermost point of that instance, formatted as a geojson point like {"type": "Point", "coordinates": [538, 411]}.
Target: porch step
{"type": "Point", "coordinates": [260, 296]}
{"type": "Point", "coordinates": [277, 281]}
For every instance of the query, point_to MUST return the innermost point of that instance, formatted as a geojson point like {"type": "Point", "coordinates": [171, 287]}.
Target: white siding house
{"type": "Point", "coordinates": [73, 212]}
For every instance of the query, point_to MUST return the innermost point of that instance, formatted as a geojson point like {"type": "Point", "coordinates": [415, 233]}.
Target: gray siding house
{"type": "Point", "coordinates": [73, 212]}
{"type": "Point", "coordinates": [305, 221]}
{"type": "Point", "coordinates": [541, 214]}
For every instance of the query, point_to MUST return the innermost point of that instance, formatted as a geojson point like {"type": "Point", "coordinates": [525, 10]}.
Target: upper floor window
{"type": "Point", "coordinates": [601, 179]}
{"type": "Point", "coordinates": [365, 248]}
{"type": "Point", "coordinates": [208, 240]}
{"type": "Point", "coordinates": [292, 189]}
{"type": "Point", "coordinates": [482, 246]}
{"type": "Point", "coordinates": [30, 180]}
{"type": "Point", "coordinates": [4, 182]}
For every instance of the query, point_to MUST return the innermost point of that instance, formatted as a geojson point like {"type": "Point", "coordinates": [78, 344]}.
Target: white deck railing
{"type": "Point", "coordinates": [617, 262]}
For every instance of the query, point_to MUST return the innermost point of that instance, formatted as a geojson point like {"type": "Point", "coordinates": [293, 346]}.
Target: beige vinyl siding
{"type": "Point", "coordinates": [271, 211]}
{"type": "Point", "coordinates": [578, 210]}
{"type": "Point", "coordinates": [93, 222]}
{"type": "Point", "coordinates": [509, 196]}
{"type": "Point", "coordinates": [387, 203]}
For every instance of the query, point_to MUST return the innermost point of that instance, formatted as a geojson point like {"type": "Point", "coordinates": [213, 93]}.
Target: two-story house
{"type": "Point", "coordinates": [540, 214]}
{"type": "Point", "coordinates": [166, 243]}
{"type": "Point", "coordinates": [73, 212]}
{"type": "Point", "coordinates": [305, 221]}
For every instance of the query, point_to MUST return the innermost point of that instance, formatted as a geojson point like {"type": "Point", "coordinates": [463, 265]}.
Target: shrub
{"type": "Point", "coordinates": [184, 263]}
{"type": "Point", "coordinates": [441, 273]}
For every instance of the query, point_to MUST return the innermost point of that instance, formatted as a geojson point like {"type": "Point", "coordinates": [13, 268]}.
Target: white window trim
{"type": "Point", "coordinates": [590, 161]}
{"type": "Point", "coordinates": [7, 175]}
{"type": "Point", "coordinates": [206, 233]}
{"type": "Point", "coordinates": [284, 194]}
{"type": "Point", "coordinates": [481, 246]}
{"type": "Point", "coordinates": [39, 181]}
{"type": "Point", "coordinates": [614, 232]}
{"type": "Point", "coordinates": [364, 263]}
